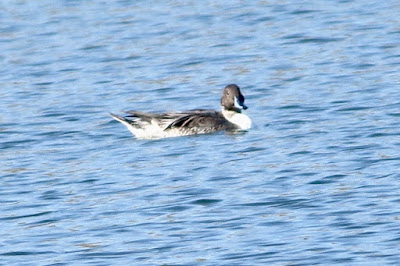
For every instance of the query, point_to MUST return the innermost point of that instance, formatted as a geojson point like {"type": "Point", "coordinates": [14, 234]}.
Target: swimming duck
{"type": "Point", "coordinates": [199, 121]}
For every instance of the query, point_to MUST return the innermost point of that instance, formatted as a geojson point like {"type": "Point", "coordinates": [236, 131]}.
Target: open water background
{"type": "Point", "coordinates": [315, 181]}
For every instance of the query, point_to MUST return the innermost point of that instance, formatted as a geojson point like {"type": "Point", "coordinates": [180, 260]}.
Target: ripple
{"type": "Point", "coordinates": [25, 253]}
{"type": "Point", "coordinates": [206, 202]}
{"type": "Point", "coordinates": [327, 179]}
{"type": "Point", "coordinates": [25, 216]}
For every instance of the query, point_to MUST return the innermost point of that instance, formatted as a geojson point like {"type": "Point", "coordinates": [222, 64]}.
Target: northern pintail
{"type": "Point", "coordinates": [199, 121]}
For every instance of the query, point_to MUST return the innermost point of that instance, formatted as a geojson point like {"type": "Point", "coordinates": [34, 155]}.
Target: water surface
{"type": "Point", "coordinates": [315, 181]}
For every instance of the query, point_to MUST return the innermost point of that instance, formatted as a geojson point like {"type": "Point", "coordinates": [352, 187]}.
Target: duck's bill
{"type": "Point", "coordinates": [239, 104]}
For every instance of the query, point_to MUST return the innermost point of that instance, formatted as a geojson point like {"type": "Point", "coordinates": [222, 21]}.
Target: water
{"type": "Point", "coordinates": [315, 181]}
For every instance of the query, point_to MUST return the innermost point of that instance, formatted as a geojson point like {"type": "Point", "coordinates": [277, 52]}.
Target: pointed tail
{"type": "Point", "coordinates": [121, 119]}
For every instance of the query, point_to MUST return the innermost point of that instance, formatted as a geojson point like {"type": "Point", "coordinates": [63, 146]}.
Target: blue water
{"type": "Point", "coordinates": [315, 181]}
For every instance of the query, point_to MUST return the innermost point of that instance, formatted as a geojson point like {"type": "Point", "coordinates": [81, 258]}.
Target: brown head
{"type": "Point", "coordinates": [232, 99]}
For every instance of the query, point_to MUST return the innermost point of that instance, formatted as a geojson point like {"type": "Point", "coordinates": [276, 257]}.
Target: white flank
{"type": "Point", "coordinates": [152, 130]}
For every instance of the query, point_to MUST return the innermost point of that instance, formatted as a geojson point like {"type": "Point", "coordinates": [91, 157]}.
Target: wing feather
{"type": "Point", "coordinates": [199, 119]}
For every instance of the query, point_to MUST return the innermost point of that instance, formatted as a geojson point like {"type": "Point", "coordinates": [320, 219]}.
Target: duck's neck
{"type": "Point", "coordinates": [242, 121]}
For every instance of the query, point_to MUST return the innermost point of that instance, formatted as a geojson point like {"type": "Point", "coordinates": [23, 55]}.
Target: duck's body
{"type": "Point", "coordinates": [200, 121]}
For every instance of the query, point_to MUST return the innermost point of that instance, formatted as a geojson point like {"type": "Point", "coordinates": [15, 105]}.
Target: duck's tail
{"type": "Point", "coordinates": [141, 125]}
{"type": "Point", "coordinates": [121, 119]}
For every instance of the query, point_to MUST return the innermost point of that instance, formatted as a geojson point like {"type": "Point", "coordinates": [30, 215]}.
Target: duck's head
{"type": "Point", "coordinates": [232, 99]}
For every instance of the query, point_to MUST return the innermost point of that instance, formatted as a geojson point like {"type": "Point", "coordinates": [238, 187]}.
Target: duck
{"type": "Point", "coordinates": [145, 125]}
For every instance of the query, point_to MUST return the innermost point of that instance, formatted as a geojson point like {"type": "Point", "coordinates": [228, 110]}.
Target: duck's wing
{"type": "Point", "coordinates": [200, 119]}
{"type": "Point", "coordinates": [194, 120]}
